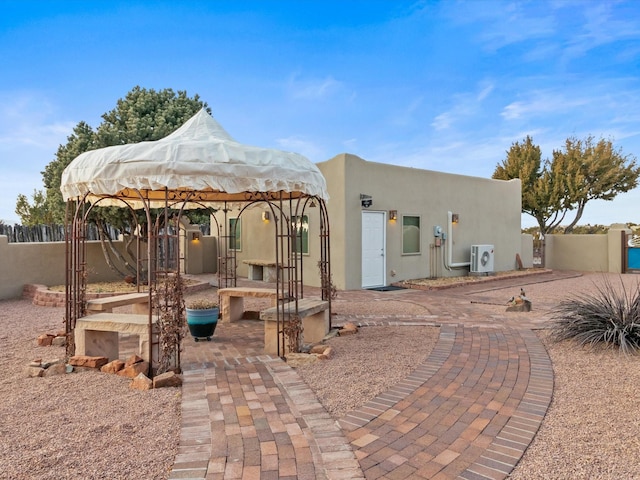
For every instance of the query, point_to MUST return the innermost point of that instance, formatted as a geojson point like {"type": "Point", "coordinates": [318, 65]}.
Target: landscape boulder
{"type": "Point", "coordinates": [45, 340]}
{"type": "Point", "coordinates": [88, 361]}
{"type": "Point", "coordinates": [31, 371]}
{"type": "Point", "coordinates": [141, 382]}
{"type": "Point", "coordinates": [55, 369]}
{"type": "Point", "coordinates": [348, 329]}
{"type": "Point", "coordinates": [135, 369]}
{"type": "Point", "coordinates": [167, 379]}
{"type": "Point", "coordinates": [113, 367]}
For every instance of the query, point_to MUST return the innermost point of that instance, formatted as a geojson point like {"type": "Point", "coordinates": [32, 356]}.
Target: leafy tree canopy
{"type": "Point", "coordinates": [142, 115]}
{"type": "Point", "coordinates": [581, 171]}
{"type": "Point", "coordinates": [37, 213]}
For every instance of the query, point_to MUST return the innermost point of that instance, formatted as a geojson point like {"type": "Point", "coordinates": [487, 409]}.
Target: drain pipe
{"type": "Point", "coordinates": [449, 264]}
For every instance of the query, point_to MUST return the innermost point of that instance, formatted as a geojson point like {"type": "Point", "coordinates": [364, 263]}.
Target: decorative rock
{"type": "Point", "coordinates": [134, 370]}
{"type": "Point", "coordinates": [167, 379]}
{"type": "Point", "coordinates": [59, 341]}
{"type": "Point", "coordinates": [525, 306]}
{"type": "Point", "coordinates": [113, 367]}
{"type": "Point", "coordinates": [33, 371]}
{"type": "Point", "coordinates": [298, 359]}
{"type": "Point", "coordinates": [87, 361]}
{"type": "Point", "coordinates": [55, 369]}
{"type": "Point", "coordinates": [348, 329]}
{"type": "Point", "coordinates": [49, 363]}
{"type": "Point", "coordinates": [133, 359]}
{"type": "Point", "coordinates": [141, 382]}
{"type": "Point", "coordinates": [45, 340]}
{"type": "Point", "coordinates": [326, 355]}
{"type": "Point", "coordinates": [320, 348]}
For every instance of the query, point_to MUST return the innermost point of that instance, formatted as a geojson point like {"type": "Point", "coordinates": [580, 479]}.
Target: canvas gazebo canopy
{"type": "Point", "coordinates": [198, 166]}
{"type": "Point", "coordinates": [198, 157]}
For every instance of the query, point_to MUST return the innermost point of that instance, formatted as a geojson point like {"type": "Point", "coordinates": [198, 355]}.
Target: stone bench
{"type": "Point", "coordinates": [261, 270]}
{"type": "Point", "coordinates": [232, 300]}
{"type": "Point", "coordinates": [140, 302]}
{"type": "Point", "coordinates": [97, 335]}
{"type": "Point", "coordinates": [314, 314]}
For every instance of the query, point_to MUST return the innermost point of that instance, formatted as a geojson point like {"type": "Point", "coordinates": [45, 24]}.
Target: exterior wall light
{"type": "Point", "coordinates": [266, 216]}
{"type": "Point", "coordinates": [195, 236]}
{"type": "Point", "coordinates": [454, 218]}
{"type": "Point", "coordinates": [393, 215]}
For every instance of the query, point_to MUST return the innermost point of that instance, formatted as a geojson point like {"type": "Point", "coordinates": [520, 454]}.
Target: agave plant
{"type": "Point", "coordinates": [610, 317]}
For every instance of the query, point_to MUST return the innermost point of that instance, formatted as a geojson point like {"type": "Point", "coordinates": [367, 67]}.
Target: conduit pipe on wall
{"type": "Point", "coordinates": [449, 263]}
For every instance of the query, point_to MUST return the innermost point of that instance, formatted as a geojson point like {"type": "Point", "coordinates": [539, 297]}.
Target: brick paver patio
{"type": "Point", "coordinates": [469, 411]}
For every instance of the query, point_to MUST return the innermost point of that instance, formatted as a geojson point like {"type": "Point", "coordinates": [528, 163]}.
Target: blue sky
{"type": "Point", "coordinates": [445, 86]}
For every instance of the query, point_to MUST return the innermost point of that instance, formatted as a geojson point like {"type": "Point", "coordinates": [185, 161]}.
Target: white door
{"type": "Point", "coordinates": [373, 249]}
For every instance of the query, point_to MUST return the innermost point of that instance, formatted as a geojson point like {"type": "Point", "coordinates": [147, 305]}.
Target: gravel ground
{"type": "Point", "coordinates": [367, 364]}
{"type": "Point", "coordinates": [92, 426]}
{"type": "Point", "coordinates": [86, 425]}
{"type": "Point", "coordinates": [591, 428]}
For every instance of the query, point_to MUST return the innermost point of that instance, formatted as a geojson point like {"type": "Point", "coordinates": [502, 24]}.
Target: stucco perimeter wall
{"type": "Point", "coordinates": [44, 263]}
{"type": "Point", "coordinates": [489, 213]}
{"type": "Point", "coordinates": [526, 250]}
{"type": "Point", "coordinates": [587, 253]}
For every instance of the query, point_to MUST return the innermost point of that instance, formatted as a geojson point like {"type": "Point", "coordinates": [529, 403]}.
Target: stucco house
{"type": "Point", "coordinates": [390, 223]}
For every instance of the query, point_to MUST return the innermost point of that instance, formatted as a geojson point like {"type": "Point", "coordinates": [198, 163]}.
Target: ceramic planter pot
{"type": "Point", "coordinates": [202, 322]}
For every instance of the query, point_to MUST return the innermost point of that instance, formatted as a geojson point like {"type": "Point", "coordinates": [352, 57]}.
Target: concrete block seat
{"type": "Point", "coordinates": [97, 335]}
{"type": "Point", "coordinates": [314, 314]}
{"type": "Point", "coordinates": [261, 270]}
{"type": "Point", "coordinates": [232, 300]}
{"type": "Point", "coordinates": [139, 300]}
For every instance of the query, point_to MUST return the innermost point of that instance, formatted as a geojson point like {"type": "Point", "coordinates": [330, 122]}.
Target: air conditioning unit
{"type": "Point", "coordinates": [481, 258]}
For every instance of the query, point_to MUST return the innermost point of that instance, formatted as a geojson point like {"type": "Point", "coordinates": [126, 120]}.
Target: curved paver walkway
{"type": "Point", "coordinates": [469, 411]}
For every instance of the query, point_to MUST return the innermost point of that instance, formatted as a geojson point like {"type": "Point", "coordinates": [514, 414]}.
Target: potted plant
{"type": "Point", "coordinates": [202, 318]}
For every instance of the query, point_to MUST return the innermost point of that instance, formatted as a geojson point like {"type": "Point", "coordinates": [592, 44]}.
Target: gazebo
{"type": "Point", "coordinates": [199, 166]}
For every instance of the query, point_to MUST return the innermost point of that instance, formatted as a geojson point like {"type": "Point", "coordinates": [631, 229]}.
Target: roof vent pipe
{"type": "Point", "coordinates": [449, 264]}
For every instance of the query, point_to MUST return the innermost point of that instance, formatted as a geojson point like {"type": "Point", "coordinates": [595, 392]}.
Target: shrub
{"type": "Point", "coordinates": [610, 318]}
{"type": "Point", "coordinates": [201, 304]}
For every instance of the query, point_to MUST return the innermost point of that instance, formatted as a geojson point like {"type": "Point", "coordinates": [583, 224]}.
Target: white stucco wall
{"type": "Point", "coordinates": [489, 212]}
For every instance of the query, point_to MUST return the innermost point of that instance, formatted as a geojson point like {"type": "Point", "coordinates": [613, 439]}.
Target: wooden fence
{"type": "Point", "coordinates": [47, 233]}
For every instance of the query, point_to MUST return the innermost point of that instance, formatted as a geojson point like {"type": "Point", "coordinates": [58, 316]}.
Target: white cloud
{"type": "Point", "coordinates": [543, 102]}
{"type": "Point", "coordinates": [303, 147]}
{"type": "Point", "coordinates": [27, 119]}
{"type": "Point", "coordinates": [465, 105]}
{"type": "Point", "coordinates": [485, 92]}
{"type": "Point", "coordinates": [505, 23]}
{"type": "Point", "coordinates": [30, 134]}
{"type": "Point", "coordinates": [601, 28]}
{"type": "Point", "coordinates": [442, 121]}
{"type": "Point", "coordinates": [312, 89]}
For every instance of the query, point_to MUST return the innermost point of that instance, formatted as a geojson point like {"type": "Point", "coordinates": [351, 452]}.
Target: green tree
{"type": "Point", "coordinates": [143, 115]}
{"type": "Point", "coordinates": [35, 213]}
{"type": "Point", "coordinates": [584, 170]}
{"type": "Point", "coordinates": [595, 171]}
{"type": "Point", "coordinates": [81, 140]}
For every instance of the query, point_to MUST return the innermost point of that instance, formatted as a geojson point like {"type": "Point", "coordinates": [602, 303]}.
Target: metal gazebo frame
{"type": "Point", "coordinates": [159, 259]}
